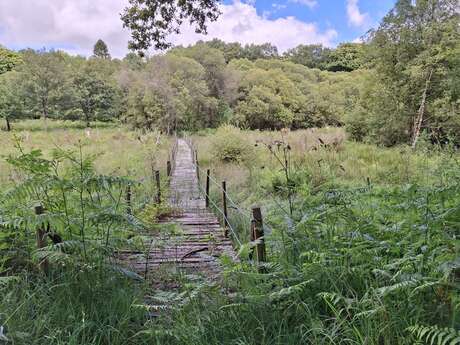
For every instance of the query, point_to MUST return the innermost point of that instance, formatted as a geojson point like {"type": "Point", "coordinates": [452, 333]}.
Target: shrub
{"type": "Point", "coordinates": [231, 145]}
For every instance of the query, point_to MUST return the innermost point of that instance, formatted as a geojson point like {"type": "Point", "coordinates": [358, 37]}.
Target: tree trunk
{"type": "Point", "coordinates": [45, 108]}
{"type": "Point", "coordinates": [8, 124]}
{"type": "Point", "coordinates": [88, 119]}
{"type": "Point", "coordinates": [418, 120]}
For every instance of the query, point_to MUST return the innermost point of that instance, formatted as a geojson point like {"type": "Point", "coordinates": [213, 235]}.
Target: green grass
{"type": "Point", "coordinates": [369, 255]}
{"type": "Point", "coordinates": [86, 306]}
{"type": "Point", "coordinates": [120, 151]}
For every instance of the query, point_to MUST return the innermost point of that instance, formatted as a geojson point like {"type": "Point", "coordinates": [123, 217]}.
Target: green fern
{"type": "Point", "coordinates": [290, 291]}
{"type": "Point", "coordinates": [435, 335]}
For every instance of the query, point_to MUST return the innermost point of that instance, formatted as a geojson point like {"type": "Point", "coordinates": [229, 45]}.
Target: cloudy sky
{"type": "Point", "coordinates": [75, 25]}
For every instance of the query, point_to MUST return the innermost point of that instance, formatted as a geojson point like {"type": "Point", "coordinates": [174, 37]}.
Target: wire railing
{"type": "Point", "coordinates": [245, 213]}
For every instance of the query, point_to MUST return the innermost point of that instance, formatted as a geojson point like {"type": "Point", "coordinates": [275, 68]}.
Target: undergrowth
{"type": "Point", "coordinates": [367, 262]}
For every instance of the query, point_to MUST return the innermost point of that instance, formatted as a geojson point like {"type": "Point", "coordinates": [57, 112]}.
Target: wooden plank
{"type": "Point", "coordinates": [201, 240]}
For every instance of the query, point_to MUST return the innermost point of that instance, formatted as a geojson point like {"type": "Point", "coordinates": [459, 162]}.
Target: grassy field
{"type": "Point", "coordinates": [335, 164]}
{"type": "Point", "coordinates": [119, 150]}
{"type": "Point", "coordinates": [362, 242]}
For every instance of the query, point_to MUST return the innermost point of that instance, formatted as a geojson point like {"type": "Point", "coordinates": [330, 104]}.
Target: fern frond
{"type": "Point", "coordinates": [385, 290]}
{"type": "Point", "coordinates": [8, 279]}
{"type": "Point", "coordinates": [289, 291]}
{"type": "Point", "coordinates": [436, 335]}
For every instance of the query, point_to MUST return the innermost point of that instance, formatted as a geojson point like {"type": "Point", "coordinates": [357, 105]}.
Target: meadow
{"type": "Point", "coordinates": [362, 241]}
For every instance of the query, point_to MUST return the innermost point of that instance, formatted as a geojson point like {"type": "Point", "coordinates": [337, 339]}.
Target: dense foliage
{"type": "Point", "coordinates": [362, 241]}
{"type": "Point", "coordinates": [403, 81]}
{"type": "Point", "coordinates": [356, 261]}
{"type": "Point", "coordinates": [8, 60]}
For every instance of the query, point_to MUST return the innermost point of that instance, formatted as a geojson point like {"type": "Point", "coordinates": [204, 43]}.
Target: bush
{"type": "Point", "coordinates": [231, 145]}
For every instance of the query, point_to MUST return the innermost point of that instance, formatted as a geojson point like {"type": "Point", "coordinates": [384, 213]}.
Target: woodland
{"type": "Point", "coordinates": [385, 90]}
{"type": "Point", "coordinates": [351, 153]}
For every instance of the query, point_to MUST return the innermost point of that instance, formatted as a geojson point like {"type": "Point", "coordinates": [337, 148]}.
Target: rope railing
{"type": "Point", "coordinates": [240, 210]}
{"type": "Point", "coordinates": [237, 207]}
{"type": "Point", "coordinates": [235, 235]}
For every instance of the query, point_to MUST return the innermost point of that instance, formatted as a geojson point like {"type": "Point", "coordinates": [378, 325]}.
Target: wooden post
{"type": "Point", "coordinates": [168, 168]}
{"type": "Point", "coordinates": [157, 179]}
{"type": "Point", "coordinates": [197, 166]}
{"type": "Point", "coordinates": [224, 207]}
{"type": "Point", "coordinates": [41, 238]}
{"type": "Point", "coordinates": [208, 178]}
{"type": "Point", "coordinates": [257, 231]}
{"type": "Point", "coordinates": [129, 209]}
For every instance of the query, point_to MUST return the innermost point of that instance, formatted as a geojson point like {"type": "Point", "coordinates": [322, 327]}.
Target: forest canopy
{"type": "Point", "coordinates": [401, 82]}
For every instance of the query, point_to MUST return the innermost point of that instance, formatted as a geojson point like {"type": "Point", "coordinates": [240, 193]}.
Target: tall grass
{"type": "Point", "coordinates": [119, 150]}
{"type": "Point", "coordinates": [368, 256]}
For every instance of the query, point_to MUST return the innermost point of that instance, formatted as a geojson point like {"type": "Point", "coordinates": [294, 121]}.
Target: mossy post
{"type": "Point", "coordinates": [257, 234]}
{"type": "Point", "coordinates": [208, 178]}
{"type": "Point", "coordinates": [168, 168]}
{"type": "Point", "coordinates": [129, 209]}
{"type": "Point", "coordinates": [224, 207]}
{"type": "Point", "coordinates": [41, 238]}
{"type": "Point", "coordinates": [197, 166]}
{"type": "Point", "coordinates": [157, 180]}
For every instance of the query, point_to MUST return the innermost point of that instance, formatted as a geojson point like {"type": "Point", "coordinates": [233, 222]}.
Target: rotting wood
{"type": "Point", "coordinates": [257, 234]}
{"type": "Point", "coordinates": [224, 207]}
{"type": "Point", "coordinates": [199, 243]}
{"type": "Point", "coordinates": [41, 238]}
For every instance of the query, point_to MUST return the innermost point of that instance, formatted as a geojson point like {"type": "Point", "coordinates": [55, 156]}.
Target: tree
{"type": "Point", "coordinates": [259, 51]}
{"type": "Point", "coordinates": [312, 55]}
{"type": "Point", "coordinates": [44, 76]}
{"type": "Point", "coordinates": [269, 100]}
{"type": "Point", "coordinates": [346, 57]}
{"type": "Point", "coordinates": [8, 60]}
{"type": "Point", "coordinates": [151, 22]}
{"type": "Point", "coordinates": [101, 50]}
{"type": "Point", "coordinates": [95, 96]}
{"type": "Point", "coordinates": [213, 62]}
{"type": "Point", "coordinates": [412, 52]}
{"type": "Point", "coordinates": [134, 61]}
{"type": "Point", "coordinates": [171, 94]}
{"type": "Point", "coordinates": [11, 102]}
{"type": "Point", "coordinates": [231, 51]}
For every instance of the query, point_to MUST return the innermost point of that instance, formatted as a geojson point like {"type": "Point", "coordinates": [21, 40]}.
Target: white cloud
{"type": "Point", "coordinates": [72, 25]}
{"type": "Point", "coordinates": [355, 17]}
{"type": "Point", "coordinates": [75, 26]}
{"type": "Point", "coordinates": [240, 22]}
{"type": "Point", "coordinates": [309, 3]}
{"type": "Point", "coordinates": [279, 6]}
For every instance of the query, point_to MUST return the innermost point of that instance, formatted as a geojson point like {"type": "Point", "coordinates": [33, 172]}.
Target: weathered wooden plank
{"type": "Point", "coordinates": [202, 239]}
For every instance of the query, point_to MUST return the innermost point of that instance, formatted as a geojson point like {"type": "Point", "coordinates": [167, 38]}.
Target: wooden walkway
{"type": "Point", "coordinates": [196, 240]}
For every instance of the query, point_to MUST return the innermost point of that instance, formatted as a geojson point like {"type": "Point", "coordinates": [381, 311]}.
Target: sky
{"type": "Point", "coordinates": [75, 25]}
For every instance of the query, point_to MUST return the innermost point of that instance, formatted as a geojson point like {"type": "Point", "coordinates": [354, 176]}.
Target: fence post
{"type": "Point", "coordinates": [157, 179]}
{"type": "Point", "coordinates": [197, 166]}
{"type": "Point", "coordinates": [208, 177]}
{"type": "Point", "coordinates": [257, 233]}
{"type": "Point", "coordinates": [168, 168]}
{"type": "Point", "coordinates": [129, 210]}
{"type": "Point", "coordinates": [224, 207]}
{"type": "Point", "coordinates": [41, 238]}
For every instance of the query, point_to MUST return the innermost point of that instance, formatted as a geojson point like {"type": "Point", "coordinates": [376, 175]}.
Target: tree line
{"type": "Point", "coordinates": [401, 82]}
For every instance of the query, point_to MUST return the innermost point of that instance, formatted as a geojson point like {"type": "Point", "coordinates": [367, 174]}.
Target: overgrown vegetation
{"type": "Point", "coordinates": [400, 83]}
{"type": "Point", "coordinates": [362, 240]}
{"type": "Point", "coordinates": [368, 256]}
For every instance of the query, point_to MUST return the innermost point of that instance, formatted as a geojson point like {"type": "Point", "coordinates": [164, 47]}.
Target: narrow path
{"type": "Point", "coordinates": [195, 240]}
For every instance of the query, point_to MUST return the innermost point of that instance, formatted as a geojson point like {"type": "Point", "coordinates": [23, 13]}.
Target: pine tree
{"type": "Point", "coordinates": [101, 50]}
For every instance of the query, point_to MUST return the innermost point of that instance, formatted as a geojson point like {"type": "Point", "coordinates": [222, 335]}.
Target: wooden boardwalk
{"type": "Point", "coordinates": [196, 241]}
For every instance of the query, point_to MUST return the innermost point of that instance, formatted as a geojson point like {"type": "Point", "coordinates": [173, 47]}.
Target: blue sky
{"type": "Point", "coordinates": [75, 25]}
{"type": "Point", "coordinates": [327, 14]}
